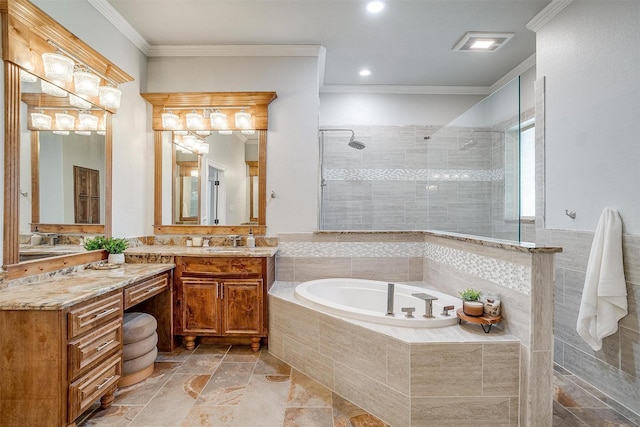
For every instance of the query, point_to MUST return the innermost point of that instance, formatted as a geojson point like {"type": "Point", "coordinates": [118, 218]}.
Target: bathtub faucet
{"type": "Point", "coordinates": [428, 299]}
{"type": "Point", "coordinates": [390, 291]}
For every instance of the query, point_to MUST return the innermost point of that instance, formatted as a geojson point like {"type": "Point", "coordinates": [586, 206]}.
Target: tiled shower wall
{"type": "Point", "coordinates": [616, 368]}
{"type": "Point", "coordinates": [416, 178]}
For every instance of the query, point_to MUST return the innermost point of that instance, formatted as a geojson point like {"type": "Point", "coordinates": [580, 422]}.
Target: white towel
{"type": "Point", "coordinates": [604, 297]}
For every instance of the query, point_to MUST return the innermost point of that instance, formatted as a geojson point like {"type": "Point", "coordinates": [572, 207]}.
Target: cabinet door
{"type": "Point", "coordinates": [200, 306]}
{"type": "Point", "coordinates": [242, 307]}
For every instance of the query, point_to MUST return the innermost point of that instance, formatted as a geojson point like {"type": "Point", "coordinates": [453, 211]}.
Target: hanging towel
{"type": "Point", "coordinates": [604, 297]}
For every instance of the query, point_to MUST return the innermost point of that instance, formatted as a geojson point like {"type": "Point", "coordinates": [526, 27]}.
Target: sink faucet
{"type": "Point", "coordinates": [390, 291]}
{"type": "Point", "coordinates": [234, 239]}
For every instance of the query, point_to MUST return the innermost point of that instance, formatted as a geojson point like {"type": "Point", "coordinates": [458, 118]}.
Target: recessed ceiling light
{"type": "Point", "coordinates": [364, 72]}
{"type": "Point", "coordinates": [375, 6]}
{"type": "Point", "coordinates": [482, 42]}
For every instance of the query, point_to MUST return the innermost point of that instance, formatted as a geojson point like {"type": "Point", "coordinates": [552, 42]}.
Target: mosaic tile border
{"type": "Point", "coordinates": [350, 249]}
{"type": "Point", "coordinates": [512, 276]}
{"type": "Point", "coordinates": [412, 175]}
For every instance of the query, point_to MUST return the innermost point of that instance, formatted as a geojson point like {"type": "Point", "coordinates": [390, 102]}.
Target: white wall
{"type": "Point", "coordinates": [292, 154]}
{"type": "Point", "coordinates": [590, 57]}
{"type": "Point", "coordinates": [132, 184]}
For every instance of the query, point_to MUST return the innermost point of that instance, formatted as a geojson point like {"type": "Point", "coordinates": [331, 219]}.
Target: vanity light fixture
{"type": "Point", "coordinates": [51, 89]}
{"type": "Point", "coordinates": [57, 67]}
{"type": "Point", "coordinates": [109, 96]}
{"type": "Point", "coordinates": [218, 119]}
{"type": "Point", "coordinates": [87, 121]}
{"type": "Point", "coordinates": [243, 120]}
{"type": "Point", "coordinates": [170, 121]}
{"type": "Point", "coordinates": [204, 147]}
{"type": "Point", "coordinates": [78, 102]}
{"type": "Point", "coordinates": [195, 120]}
{"type": "Point", "coordinates": [86, 83]}
{"type": "Point", "coordinates": [41, 120]}
{"type": "Point", "coordinates": [27, 77]}
{"type": "Point", "coordinates": [65, 121]}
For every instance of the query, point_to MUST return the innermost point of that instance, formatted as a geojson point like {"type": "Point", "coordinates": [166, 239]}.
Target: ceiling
{"type": "Point", "coordinates": [408, 44]}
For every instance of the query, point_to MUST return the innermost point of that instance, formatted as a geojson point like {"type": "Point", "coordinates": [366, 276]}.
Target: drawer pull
{"type": "Point", "coordinates": [103, 346]}
{"type": "Point", "coordinates": [104, 313]}
{"type": "Point", "coordinates": [105, 382]}
{"type": "Point", "coordinates": [154, 289]}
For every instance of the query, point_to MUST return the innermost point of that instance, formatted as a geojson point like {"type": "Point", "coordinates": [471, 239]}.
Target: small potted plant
{"type": "Point", "coordinates": [115, 246]}
{"type": "Point", "coordinates": [94, 243]}
{"type": "Point", "coordinates": [471, 304]}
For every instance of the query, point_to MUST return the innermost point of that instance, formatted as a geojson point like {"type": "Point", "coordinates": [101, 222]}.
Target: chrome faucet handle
{"type": "Point", "coordinates": [409, 311]}
{"type": "Point", "coordinates": [445, 310]}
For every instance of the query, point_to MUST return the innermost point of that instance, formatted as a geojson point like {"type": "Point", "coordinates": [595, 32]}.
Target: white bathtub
{"type": "Point", "coordinates": [367, 300]}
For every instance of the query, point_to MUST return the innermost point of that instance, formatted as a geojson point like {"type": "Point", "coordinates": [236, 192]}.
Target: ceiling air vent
{"type": "Point", "coordinates": [482, 42]}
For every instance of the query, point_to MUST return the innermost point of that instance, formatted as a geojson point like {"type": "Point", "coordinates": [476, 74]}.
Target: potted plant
{"type": "Point", "coordinates": [471, 304]}
{"type": "Point", "coordinates": [113, 245]}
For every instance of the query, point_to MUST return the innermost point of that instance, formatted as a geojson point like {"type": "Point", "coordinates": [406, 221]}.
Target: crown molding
{"type": "Point", "coordinates": [546, 14]}
{"type": "Point", "coordinates": [236, 50]}
{"type": "Point", "coordinates": [112, 15]}
{"type": "Point", "coordinates": [407, 90]}
{"type": "Point", "coordinates": [515, 72]}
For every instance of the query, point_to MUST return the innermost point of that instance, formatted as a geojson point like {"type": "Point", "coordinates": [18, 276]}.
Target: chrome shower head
{"type": "Point", "coordinates": [356, 144]}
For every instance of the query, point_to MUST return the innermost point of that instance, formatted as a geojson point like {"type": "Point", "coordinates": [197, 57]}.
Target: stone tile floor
{"type": "Point", "coordinates": [224, 386]}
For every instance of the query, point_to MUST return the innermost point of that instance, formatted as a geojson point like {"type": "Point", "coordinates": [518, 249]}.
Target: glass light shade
{"type": "Point", "coordinates": [189, 141]}
{"type": "Point", "coordinates": [102, 132]}
{"type": "Point", "coordinates": [181, 132]}
{"type": "Point", "coordinates": [204, 147]}
{"type": "Point", "coordinates": [218, 120]}
{"type": "Point", "coordinates": [65, 121]}
{"type": "Point", "coordinates": [83, 132]}
{"type": "Point", "coordinates": [109, 96]}
{"type": "Point", "coordinates": [76, 101]}
{"type": "Point", "coordinates": [88, 121]}
{"type": "Point", "coordinates": [52, 90]}
{"type": "Point", "coordinates": [170, 121]}
{"type": "Point", "coordinates": [195, 121]}
{"type": "Point", "coordinates": [86, 83]}
{"type": "Point", "coordinates": [225, 132]}
{"type": "Point", "coordinates": [61, 132]}
{"type": "Point", "coordinates": [194, 173]}
{"type": "Point", "coordinates": [248, 132]}
{"type": "Point", "coordinates": [57, 67]}
{"type": "Point", "coordinates": [203, 132]}
{"type": "Point", "coordinates": [243, 120]}
{"type": "Point", "coordinates": [41, 121]}
{"type": "Point", "coordinates": [27, 77]}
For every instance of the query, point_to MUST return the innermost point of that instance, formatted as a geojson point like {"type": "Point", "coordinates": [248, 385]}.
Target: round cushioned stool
{"type": "Point", "coordinates": [139, 350]}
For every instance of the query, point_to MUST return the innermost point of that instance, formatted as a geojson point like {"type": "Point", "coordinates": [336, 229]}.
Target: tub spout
{"type": "Point", "coordinates": [428, 299]}
{"type": "Point", "coordinates": [390, 291]}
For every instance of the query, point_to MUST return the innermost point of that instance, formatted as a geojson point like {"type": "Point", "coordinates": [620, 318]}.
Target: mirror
{"type": "Point", "coordinates": [219, 187]}
{"type": "Point", "coordinates": [65, 170]}
{"type": "Point", "coordinates": [23, 46]}
{"type": "Point", "coordinates": [220, 190]}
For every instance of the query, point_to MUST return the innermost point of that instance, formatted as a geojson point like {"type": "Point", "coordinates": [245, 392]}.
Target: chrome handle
{"type": "Point", "coordinates": [104, 313]}
{"type": "Point", "coordinates": [154, 289]}
{"type": "Point", "coordinates": [409, 311]}
{"type": "Point", "coordinates": [103, 346]}
{"type": "Point", "coordinates": [445, 310]}
{"type": "Point", "coordinates": [105, 382]}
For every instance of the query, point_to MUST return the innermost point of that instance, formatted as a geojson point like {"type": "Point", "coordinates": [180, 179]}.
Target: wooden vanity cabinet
{"type": "Point", "coordinates": [222, 297]}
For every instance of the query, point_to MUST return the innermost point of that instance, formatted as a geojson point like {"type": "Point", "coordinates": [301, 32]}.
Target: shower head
{"type": "Point", "coordinates": [356, 144]}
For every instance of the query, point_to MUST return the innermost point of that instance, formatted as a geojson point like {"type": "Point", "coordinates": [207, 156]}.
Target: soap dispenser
{"type": "Point", "coordinates": [251, 241]}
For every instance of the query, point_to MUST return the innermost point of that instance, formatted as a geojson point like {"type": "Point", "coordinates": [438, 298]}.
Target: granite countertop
{"type": "Point", "coordinates": [64, 291]}
{"type": "Point", "coordinates": [203, 251]}
{"type": "Point", "coordinates": [51, 249]}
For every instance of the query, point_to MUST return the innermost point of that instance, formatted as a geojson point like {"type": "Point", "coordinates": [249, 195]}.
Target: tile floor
{"type": "Point", "coordinates": [225, 386]}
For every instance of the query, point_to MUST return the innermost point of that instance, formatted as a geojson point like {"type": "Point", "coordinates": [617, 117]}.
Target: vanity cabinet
{"type": "Point", "coordinates": [223, 298]}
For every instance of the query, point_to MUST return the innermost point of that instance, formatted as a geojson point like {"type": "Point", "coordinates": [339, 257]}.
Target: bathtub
{"type": "Point", "coordinates": [367, 300]}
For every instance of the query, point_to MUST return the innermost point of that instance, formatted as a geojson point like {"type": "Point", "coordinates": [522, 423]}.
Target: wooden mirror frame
{"type": "Point", "coordinates": [26, 35]}
{"type": "Point", "coordinates": [258, 103]}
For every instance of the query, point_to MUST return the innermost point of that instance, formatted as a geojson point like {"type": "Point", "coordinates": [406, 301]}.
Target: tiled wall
{"type": "Point", "coordinates": [616, 368]}
{"type": "Point", "coordinates": [453, 181]}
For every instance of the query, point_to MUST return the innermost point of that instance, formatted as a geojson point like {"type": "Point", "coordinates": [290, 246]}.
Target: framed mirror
{"type": "Point", "coordinates": [29, 36]}
{"type": "Point", "coordinates": [210, 179]}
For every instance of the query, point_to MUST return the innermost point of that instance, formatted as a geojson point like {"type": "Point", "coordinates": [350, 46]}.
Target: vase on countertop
{"type": "Point", "coordinates": [115, 259]}
{"type": "Point", "coordinates": [473, 308]}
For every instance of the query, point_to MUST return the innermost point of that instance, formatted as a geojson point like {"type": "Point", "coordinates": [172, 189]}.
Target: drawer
{"type": "Point", "coordinates": [83, 318]}
{"type": "Point", "coordinates": [139, 292]}
{"type": "Point", "coordinates": [90, 348]}
{"type": "Point", "coordinates": [227, 266]}
{"type": "Point", "coordinates": [93, 385]}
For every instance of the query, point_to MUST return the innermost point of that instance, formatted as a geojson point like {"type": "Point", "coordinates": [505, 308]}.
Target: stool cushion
{"type": "Point", "coordinates": [137, 326]}
{"type": "Point", "coordinates": [137, 349]}
{"type": "Point", "coordinates": [139, 363]}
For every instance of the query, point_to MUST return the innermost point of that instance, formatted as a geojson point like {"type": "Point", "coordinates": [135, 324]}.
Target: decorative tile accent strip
{"type": "Point", "coordinates": [413, 175]}
{"type": "Point", "coordinates": [513, 276]}
{"type": "Point", "coordinates": [351, 249]}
